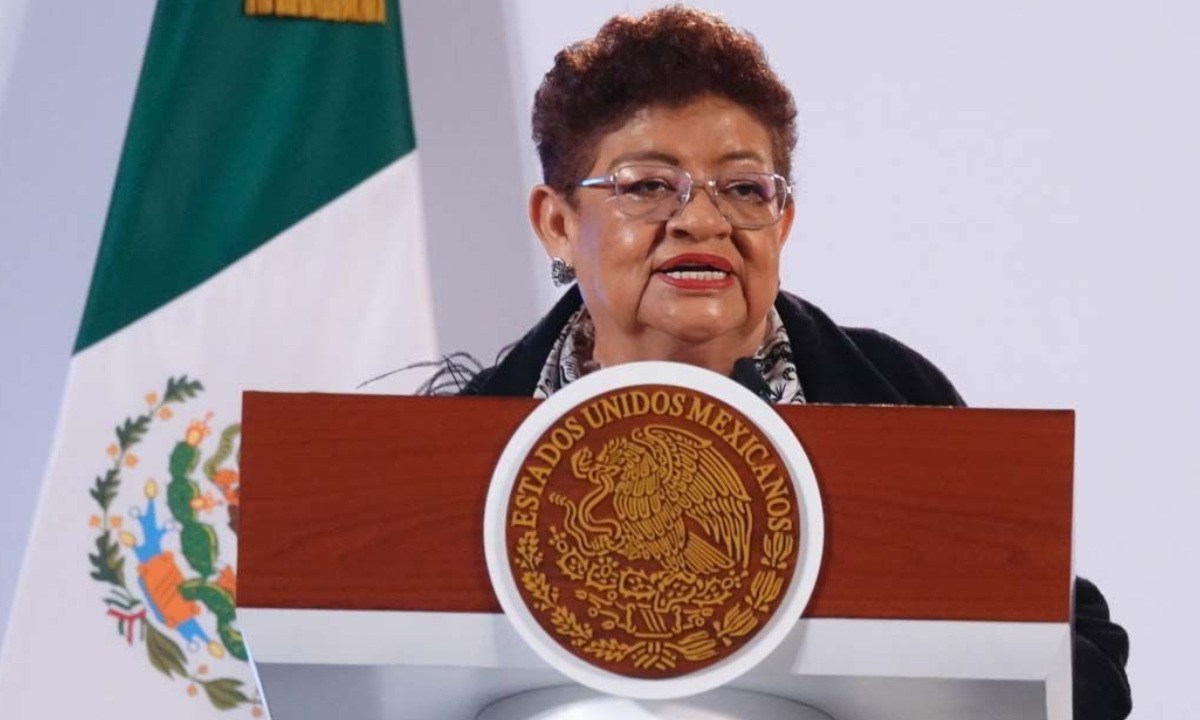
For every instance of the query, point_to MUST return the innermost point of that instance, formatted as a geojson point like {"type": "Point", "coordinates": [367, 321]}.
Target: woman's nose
{"type": "Point", "coordinates": [699, 216]}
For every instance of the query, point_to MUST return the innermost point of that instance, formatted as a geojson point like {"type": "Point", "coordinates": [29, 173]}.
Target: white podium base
{"type": "Point", "coordinates": [573, 702]}
{"type": "Point", "coordinates": [384, 665]}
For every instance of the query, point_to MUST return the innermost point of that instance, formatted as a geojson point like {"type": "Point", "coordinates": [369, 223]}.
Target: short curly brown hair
{"type": "Point", "coordinates": [668, 56]}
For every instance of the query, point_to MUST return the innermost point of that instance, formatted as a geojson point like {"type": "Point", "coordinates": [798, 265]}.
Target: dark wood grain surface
{"type": "Point", "coordinates": [376, 502]}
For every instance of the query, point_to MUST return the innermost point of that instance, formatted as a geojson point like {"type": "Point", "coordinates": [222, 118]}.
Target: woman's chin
{"type": "Point", "coordinates": [698, 331]}
{"type": "Point", "coordinates": [698, 319]}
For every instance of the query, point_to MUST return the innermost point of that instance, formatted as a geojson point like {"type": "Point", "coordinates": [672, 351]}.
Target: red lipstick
{"type": "Point", "coordinates": [697, 271]}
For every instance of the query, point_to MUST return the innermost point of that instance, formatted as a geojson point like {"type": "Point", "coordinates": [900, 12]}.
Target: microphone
{"type": "Point", "coordinates": [745, 373]}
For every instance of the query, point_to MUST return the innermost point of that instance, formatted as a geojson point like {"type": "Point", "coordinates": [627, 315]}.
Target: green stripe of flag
{"type": "Point", "coordinates": [241, 127]}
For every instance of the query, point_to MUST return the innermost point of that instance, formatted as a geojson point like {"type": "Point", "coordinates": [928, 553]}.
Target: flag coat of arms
{"type": "Point", "coordinates": [265, 233]}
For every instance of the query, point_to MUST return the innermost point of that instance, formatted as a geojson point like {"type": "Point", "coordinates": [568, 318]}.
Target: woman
{"type": "Point", "coordinates": [665, 144]}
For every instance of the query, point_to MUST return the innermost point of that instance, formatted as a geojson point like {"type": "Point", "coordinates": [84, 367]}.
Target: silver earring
{"type": "Point", "coordinates": [561, 272]}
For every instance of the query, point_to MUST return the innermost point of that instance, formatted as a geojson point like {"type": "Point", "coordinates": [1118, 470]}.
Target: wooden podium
{"type": "Point", "coordinates": [944, 592]}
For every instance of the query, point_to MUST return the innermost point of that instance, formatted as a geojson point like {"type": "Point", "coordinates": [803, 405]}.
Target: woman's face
{"type": "Point", "coordinates": [640, 311]}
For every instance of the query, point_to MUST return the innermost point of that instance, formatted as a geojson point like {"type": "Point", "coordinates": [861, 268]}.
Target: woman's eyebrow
{"type": "Point", "coordinates": [669, 159]}
{"type": "Point", "coordinates": [644, 155]}
{"type": "Point", "coordinates": [742, 155]}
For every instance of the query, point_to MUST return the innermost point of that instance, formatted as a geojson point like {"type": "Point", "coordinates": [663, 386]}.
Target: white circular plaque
{"type": "Point", "coordinates": [770, 626]}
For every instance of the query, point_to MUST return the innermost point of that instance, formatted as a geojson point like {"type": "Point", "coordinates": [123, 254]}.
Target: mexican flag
{"type": "Point", "coordinates": [264, 232]}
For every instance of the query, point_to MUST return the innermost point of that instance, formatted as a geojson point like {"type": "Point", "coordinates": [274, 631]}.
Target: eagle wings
{"type": "Point", "coordinates": [675, 499]}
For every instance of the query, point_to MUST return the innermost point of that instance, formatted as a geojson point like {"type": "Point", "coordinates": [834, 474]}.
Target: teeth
{"type": "Point", "coordinates": [697, 274]}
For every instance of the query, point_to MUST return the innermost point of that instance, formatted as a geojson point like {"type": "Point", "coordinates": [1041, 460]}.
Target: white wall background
{"type": "Point", "coordinates": [1009, 187]}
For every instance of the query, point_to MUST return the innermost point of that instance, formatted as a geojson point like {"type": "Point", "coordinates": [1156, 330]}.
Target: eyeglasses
{"type": "Point", "coordinates": [656, 193]}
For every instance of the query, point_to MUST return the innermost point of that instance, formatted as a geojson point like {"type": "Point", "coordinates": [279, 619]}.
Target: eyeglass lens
{"type": "Point", "coordinates": [654, 192]}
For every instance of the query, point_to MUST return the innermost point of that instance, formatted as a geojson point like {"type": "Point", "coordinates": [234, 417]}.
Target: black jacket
{"type": "Point", "coordinates": [860, 366]}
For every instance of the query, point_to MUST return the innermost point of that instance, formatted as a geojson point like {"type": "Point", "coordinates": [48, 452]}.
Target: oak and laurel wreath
{"type": "Point", "coordinates": [740, 620]}
{"type": "Point", "coordinates": [108, 565]}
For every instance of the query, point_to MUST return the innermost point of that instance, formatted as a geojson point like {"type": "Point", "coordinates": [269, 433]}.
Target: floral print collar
{"type": "Point", "coordinates": [571, 358]}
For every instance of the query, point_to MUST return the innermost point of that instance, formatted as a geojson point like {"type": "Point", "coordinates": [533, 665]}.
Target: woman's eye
{"type": "Point", "coordinates": [649, 187]}
{"type": "Point", "coordinates": [744, 190]}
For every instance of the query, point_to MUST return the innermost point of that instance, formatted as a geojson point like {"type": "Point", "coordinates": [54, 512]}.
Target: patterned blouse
{"type": "Point", "coordinates": [571, 358]}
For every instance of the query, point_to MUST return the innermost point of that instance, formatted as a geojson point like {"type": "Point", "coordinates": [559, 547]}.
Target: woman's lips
{"type": "Point", "coordinates": [697, 271]}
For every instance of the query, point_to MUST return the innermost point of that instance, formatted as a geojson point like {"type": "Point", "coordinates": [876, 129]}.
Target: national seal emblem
{"type": "Point", "coordinates": [651, 532]}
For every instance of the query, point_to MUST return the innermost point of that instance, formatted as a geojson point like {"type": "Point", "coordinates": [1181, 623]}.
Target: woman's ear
{"type": "Point", "coordinates": [552, 218]}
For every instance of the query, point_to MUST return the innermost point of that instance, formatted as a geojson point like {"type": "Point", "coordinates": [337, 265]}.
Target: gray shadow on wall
{"type": "Point", "coordinates": [479, 240]}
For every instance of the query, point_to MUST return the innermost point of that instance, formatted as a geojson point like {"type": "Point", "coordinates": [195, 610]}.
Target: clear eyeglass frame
{"type": "Point", "coordinates": [749, 212]}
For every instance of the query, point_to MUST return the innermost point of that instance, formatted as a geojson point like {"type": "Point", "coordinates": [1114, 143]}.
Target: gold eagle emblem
{"type": "Point", "coordinates": [657, 550]}
{"type": "Point", "coordinates": [662, 494]}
